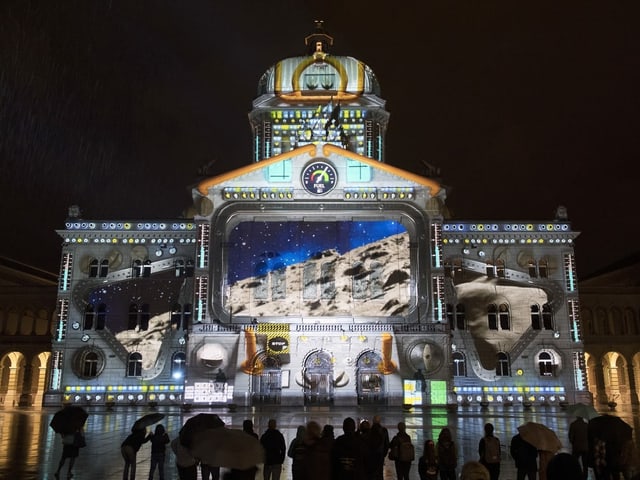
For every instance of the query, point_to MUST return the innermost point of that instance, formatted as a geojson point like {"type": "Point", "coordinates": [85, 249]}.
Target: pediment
{"type": "Point", "coordinates": [287, 171]}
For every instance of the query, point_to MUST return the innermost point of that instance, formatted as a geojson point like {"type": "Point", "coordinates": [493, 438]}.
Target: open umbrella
{"type": "Point", "coordinates": [540, 436]}
{"type": "Point", "coordinates": [198, 423]}
{"type": "Point", "coordinates": [227, 448]}
{"type": "Point", "coordinates": [147, 420]}
{"type": "Point", "coordinates": [582, 410]}
{"type": "Point", "coordinates": [69, 419]}
{"type": "Point", "coordinates": [610, 429]}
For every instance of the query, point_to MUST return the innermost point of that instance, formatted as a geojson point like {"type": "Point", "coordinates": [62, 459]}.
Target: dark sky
{"type": "Point", "coordinates": [114, 105]}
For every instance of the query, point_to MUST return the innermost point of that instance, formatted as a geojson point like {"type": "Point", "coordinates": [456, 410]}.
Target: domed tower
{"type": "Point", "coordinates": [318, 97]}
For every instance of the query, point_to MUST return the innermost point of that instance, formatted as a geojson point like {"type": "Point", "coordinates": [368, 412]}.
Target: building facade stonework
{"type": "Point", "coordinates": [316, 275]}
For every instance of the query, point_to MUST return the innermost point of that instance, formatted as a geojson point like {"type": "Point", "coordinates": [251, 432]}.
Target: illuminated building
{"type": "Point", "coordinates": [318, 275]}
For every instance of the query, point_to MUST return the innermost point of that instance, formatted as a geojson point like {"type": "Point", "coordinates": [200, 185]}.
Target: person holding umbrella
{"type": "Point", "coordinates": [71, 444]}
{"type": "Point", "coordinates": [129, 449]}
{"type": "Point", "coordinates": [159, 440]}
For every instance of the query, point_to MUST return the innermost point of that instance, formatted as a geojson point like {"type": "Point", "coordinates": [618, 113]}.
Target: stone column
{"type": "Point", "coordinates": [633, 392]}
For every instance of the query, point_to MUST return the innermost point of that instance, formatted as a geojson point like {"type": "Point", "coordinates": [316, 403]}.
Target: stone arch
{"type": "Point", "coordinates": [11, 378]}
{"type": "Point", "coordinates": [616, 379]}
{"type": "Point", "coordinates": [591, 365]}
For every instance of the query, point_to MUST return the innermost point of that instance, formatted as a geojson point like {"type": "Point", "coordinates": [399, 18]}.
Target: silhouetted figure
{"type": "Point", "coordinates": [525, 457]}
{"type": "Point", "coordinates": [275, 449]}
{"type": "Point", "coordinates": [71, 450]}
{"type": "Point", "coordinates": [348, 454]}
{"type": "Point", "coordinates": [489, 450]}
{"type": "Point", "coordinates": [247, 427]}
{"type": "Point", "coordinates": [403, 452]}
{"type": "Point", "coordinates": [129, 450]}
{"type": "Point", "coordinates": [296, 452]}
{"type": "Point", "coordinates": [447, 454]}
{"type": "Point", "coordinates": [186, 465]}
{"type": "Point", "coordinates": [315, 463]}
{"type": "Point", "coordinates": [564, 466]}
{"type": "Point", "coordinates": [159, 440]}
{"type": "Point", "coordinates": [427, 463]}
{"type": "Point", "coordinates": [579, 439]}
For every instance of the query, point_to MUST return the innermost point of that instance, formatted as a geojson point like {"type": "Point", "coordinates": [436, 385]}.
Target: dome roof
{"type": "Point", "coordinates": [318, 74]}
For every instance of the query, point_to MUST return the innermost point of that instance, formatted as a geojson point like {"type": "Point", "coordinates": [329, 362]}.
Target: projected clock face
{"type": "Point", "coordinates": [319, 178]}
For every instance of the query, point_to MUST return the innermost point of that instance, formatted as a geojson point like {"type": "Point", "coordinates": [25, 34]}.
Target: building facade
{"type": "Point", "coordinates": [318, 275]}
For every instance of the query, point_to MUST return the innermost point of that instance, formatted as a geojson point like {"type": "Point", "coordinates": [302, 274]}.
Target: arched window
{"type": "Point", "coordinates": [101, 317]}
{"type": "Point", "coordinates": [602, 322]}
{"type": "Point", "coordinates": [492, 316]}
{"type": "Point", "coordinates": [144, 317]}
{"type": "Point", "coordinates": [136, 269]}
{"type": "Point", "coordinates": [132, 322]}
{"type": "Point", "coordinates": [545, 363]}
{"type": "Point", "coordinates": [451, 316]}
{"type": "Point", "coordinates": [90, 364]}
{"type": "Point", "coordinates": [93, 268]}
{"type": "Point", "coordinates": [104, 268]}
{"type": "Point", "coordinates": [629, 319]}
{"type": "Point", "coordinates": [500, 268]}
{"type": "Point", "coordinates": [146, 268]}
{"type": "Point", "coordinates": [459, 365]}
{"type": "Point", "coordinates": [502, 365]}
{"type": "Point", "coordinates": [461, 318]}
{"type": "Point", "coordinates": [547, 317]}
{"type": "Point", "coordinates": [134, 365]}
{"type": "Point", "coordinates": [543, 268]}
{"type": "Point", "coordinates": [179, 268]}
{"type": "Point", "coordinates": [505, 317]}
{"type": "Point", "coordinates": [176, 316]}
{"type": "Point", "coordinates": [89, 316]}
{"type": "Point", "coordinates": [536, 323]}
{"type": "Point", "coordinates": [178, 362]}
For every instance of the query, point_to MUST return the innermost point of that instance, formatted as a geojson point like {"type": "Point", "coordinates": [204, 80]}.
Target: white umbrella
{"type": "Point", "coordinates": [222, 447]}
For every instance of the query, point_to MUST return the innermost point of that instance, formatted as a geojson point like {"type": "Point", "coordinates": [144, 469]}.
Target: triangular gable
{"type": "Point", "coordinates": [255, 171]}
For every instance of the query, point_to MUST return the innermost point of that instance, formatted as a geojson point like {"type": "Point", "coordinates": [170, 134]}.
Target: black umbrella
{"type": "Point", "coordinates": [196, 424]}
{"type": "Point", "coordinates": [69, 420]}
{"type": "Point", "coordinates": [149, 419]}
{"type": "Point", "coordinates": [610, 429]}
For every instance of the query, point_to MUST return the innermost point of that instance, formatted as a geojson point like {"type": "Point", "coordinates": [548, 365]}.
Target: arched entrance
{"type": "Point", "coordinates": [266, 381]}
{"type": "Point", "coordinates": [370, 382]}
{"type": "Point", "coordinates": [616, 381]}
{"type": "Point", "coordinates": [11, 378]}
{"type": "Point", "coordinates": [317, 374]}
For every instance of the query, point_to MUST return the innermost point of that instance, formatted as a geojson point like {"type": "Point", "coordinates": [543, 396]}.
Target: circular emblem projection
{"type": "Point", "coordinates": [425, 356]}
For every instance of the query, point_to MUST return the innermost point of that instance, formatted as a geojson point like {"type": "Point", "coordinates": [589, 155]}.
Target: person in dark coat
{"type": "Point", "coordinates": [348, 454]}
{"type": "Point", "coordinates": [159, 440]}
{"type": "Point", "coordinates": [428, 463]}
{"type": "Point", "coordinates": [525, 457]}
{"type": "Point", "coordinates": [247, 427]}
{"type": "Point", "coordinates": [564, 466]}
{"type": "Point", "coordinates": [403, 466]}
{"type": "Point", "coordinates": [275, 450]}
{"type": "Point", "coordinates": [579, 439]}
{"type": "Point", "coordinates": [296, 452]}
{"type": "Point", "coordinates": [488, 444]}
{"type": "Point", "coordinates": [316, 459]}
{"type": "Point", "coordinates": [186, 464]}
{"type": "Point", "coordinates": [447, 455]}
{"type": "Point", "coordinates": [129, 449]}
{"type": "Point", "coordinates": [70, 450]}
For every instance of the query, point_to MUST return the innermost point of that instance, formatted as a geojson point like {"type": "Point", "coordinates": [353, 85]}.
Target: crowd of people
{"type": "Point", "coordinates": [359, 453]}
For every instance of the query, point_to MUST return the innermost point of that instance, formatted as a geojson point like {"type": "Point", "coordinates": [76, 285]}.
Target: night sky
{"type": "Point", "coordinates": [121, 106]}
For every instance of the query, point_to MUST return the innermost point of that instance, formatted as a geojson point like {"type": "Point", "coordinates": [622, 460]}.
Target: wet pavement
{"type": "Point", "coordinates": [29, 448]}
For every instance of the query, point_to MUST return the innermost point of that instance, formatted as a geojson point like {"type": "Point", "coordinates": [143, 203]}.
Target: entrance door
{"type": "Point", "coordinates": [370, 384]}
{"type": "Point", "coordinates": [318, 379]}
{"type": "Point", "coordinates": [266, 386]}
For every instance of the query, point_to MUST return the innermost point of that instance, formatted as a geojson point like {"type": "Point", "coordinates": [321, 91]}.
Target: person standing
{"type": "Point", "coordinates": [186, 464]}
{"type": "Point", "coordinates": [348, 454]}
{"type": "Point", "coordinates": [247, 427]}
{"type": "Point", "coordinates": [376, 426]}
{"type": "Point", "coordinates": [489, 451]}
{"type": "Point", "coordinates": [447, 455]}
{"type": "Point", "coordinates": [71, 444]}
{"type": "Point", "coordinates": [579, 439]}
{"type": "Point", "coordinates": [274, 449]}
{"type": "Point", "coordinates": [129, 450]}
{"type": "Point", "coordinates": [159, 440]}
{"type": "Point", "coordinates": [427, 463]}
{"type": "Point", "coordinates": [403, 452]}
{"type": "Point", "coordinates": [296, 452]}
{"type": "Point", "coordinates": [525, 457]}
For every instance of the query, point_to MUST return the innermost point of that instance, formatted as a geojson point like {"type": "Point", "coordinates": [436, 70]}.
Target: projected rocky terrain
{"type": "Point", "coordinates": [371, 280]}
